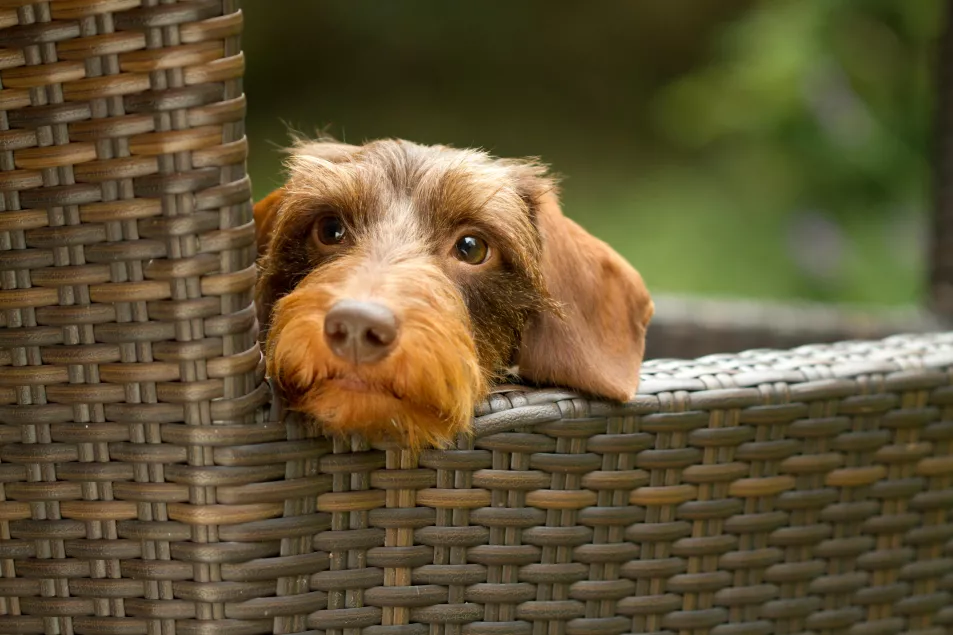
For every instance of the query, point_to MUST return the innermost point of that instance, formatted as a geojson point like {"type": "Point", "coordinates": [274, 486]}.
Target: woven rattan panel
{"type": "Point", "coordinates": [686, 327]}
{"type": "Point", "coordinates": [126, 326]}
{"type": "Point", "coordinates": [808, 491]}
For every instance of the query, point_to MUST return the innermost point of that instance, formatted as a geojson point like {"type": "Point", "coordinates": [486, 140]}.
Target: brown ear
{"type": "Point", "coordinates": [597, 344]}
{"type": "Point", "coordinates": [266, 293]}
{"type": "Point", "coordinates": [266, 216]}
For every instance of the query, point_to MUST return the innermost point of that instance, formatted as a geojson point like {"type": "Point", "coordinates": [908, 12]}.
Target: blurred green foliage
{"type": "Point", "coordinates": [773, 148]}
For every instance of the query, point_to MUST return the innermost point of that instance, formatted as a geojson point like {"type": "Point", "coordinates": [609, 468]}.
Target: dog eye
{"type": "Point", "coordinates": [329, 230]}
{"type": "Point", "coordinates": [471, 250]}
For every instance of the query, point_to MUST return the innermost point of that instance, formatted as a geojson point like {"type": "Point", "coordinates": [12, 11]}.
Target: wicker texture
{"type": "Point", "coordinates": [126, 267]}
{"type": "Point", "coordinates": [126, 241]}
{"type": "Point", "coordinates": [771, 492]}
{"type": "Point", "coordinates": [143, 492]}
{"type": "Point", "coordinates": [686, 327]}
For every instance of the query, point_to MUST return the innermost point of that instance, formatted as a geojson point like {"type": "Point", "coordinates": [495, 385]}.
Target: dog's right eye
{"type": "Point", "coordinates": [471, 250]}
{"type": "Point", "coordinates": [329, 230]}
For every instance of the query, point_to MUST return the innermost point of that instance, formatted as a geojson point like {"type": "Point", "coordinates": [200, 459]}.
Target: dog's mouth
{"type": "Point", "coordinates": [321, 395]}
{"type": "Point", "coordinates": [354, 387]}
{"type": "Point", "coordinates": [345, 402]}
{"type": "Point", "coordinates": [350, 383]}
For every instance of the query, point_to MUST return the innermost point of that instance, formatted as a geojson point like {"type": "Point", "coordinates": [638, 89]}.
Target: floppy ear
{"type": "Point", "coordinates": [266, 216]}
{"type": "Point", "coordinates": [597, 344]}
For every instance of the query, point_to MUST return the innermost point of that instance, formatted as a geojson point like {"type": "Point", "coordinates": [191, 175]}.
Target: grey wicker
{"type": "Point", "coordinates": [687, 327]}
{"type": "Point", "coordinates": [147, 489]}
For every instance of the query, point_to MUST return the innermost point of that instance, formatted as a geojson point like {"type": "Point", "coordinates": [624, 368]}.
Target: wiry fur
{"type": "Point", "coordinates": [404, 206]}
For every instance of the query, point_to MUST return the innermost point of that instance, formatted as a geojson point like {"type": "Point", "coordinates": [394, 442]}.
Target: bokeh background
{"type": "Point", "coordinates": [774, 149]}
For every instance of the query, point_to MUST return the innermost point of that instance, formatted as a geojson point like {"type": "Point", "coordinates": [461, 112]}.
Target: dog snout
{"type": "Point", "coordinates": [360, 332]}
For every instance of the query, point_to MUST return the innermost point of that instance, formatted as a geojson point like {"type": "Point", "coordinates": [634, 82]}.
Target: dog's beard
{"type": "Point", "coordinates": [422, 393]}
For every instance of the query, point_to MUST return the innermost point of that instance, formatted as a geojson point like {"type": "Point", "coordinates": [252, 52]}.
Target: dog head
{"type": "Point", "coordinates": [399, 281]}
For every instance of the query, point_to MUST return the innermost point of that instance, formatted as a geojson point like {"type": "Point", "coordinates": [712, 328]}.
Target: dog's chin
{"type": "Point", "coordinates": [347, 404]}
{"type": "Point", "coordinates": [421, 394]}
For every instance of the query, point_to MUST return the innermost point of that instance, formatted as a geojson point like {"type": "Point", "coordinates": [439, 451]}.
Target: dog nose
{"type": "Point", "coordinates": [360, 332]}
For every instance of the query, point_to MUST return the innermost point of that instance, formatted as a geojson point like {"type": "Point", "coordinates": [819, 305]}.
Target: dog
{"type": "Point", "coordinates": [399, 282]}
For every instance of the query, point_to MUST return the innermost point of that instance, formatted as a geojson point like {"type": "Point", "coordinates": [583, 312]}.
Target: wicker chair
{"type": "Point", "coordinates": [146, 487]}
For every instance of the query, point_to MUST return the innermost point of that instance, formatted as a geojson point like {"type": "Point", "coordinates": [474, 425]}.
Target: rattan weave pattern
{"type": "Point", "coordinates": [689, 326]}
{"type": "Point", "coordinates": [126, 267]}
{"type": "Point", "coordinates": [140, 492]}
{"type": "Point", "coordinates": [126, 240]}
{"type": "Point", "coordinates": [770, 492]}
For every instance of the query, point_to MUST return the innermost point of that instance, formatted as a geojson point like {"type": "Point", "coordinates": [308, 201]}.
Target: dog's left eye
{"type": "Point", "coordinates": [329, 230]}
{"type": "Point", "coordinates": [471, 250]}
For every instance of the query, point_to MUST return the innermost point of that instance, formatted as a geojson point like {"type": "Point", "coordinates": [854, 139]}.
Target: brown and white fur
{"type": "Point", "coordinates": [550, 299]}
